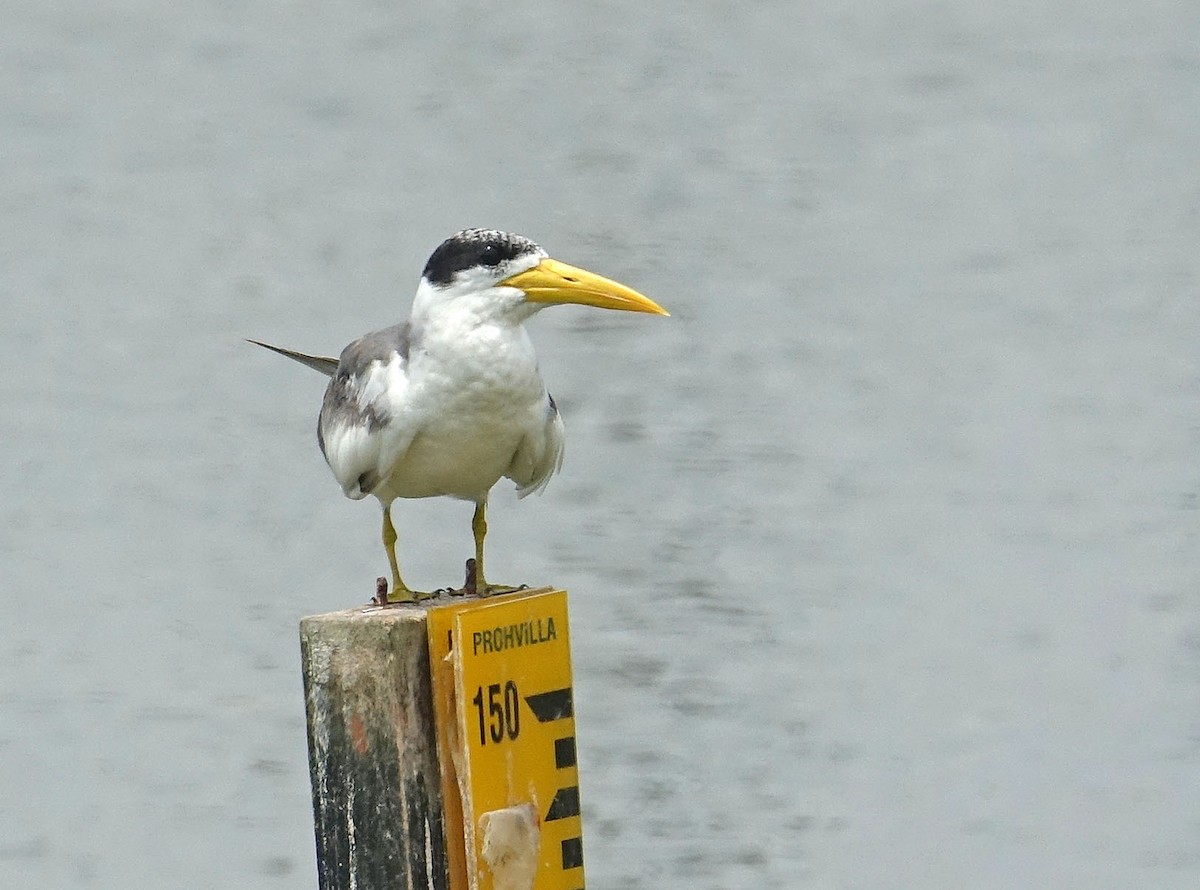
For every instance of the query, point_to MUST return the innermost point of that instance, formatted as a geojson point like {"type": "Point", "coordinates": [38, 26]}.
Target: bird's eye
{"type": "Point", "coordinates": [491, 255]}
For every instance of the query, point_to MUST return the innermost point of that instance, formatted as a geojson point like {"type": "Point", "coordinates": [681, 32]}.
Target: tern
{"type": "Point", "coordinates": [451, 400]}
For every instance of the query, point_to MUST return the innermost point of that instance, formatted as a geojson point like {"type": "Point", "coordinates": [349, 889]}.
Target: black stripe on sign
{"type": "Point", "coordinates": [572, 852]}
{"type": "Point", "coordinates": [552, 705]}
{"type": "Point", "coordinates": [564, 752]}
{"type": "Point", "coordinates": [565, 804]}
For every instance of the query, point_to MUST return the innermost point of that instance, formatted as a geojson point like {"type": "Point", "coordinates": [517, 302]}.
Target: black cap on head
{"type": "Point", "coordinates": [474, 247]}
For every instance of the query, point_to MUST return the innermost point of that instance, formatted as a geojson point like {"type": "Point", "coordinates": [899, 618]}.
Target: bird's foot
{"type": "Point", "coordinates": [401, 594]}
{"type": "Point", "coordinates": [496, 589]}
{"type": "Point", "coordinates": [472, 586]}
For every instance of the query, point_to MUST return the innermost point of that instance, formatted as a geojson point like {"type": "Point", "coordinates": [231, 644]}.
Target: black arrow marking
{"type": "Point", "coordinates": [572, 852]}
{"type": "Point", "coordinates": [565, 804]}
{"type": "Point", "coordinates": [550, 706]}
{"type": "Point", "coordinates": [564, 752]}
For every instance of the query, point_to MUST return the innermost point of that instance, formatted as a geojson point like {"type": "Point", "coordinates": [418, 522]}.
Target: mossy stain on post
{"type": "Point", "coordinates": [377, 804]}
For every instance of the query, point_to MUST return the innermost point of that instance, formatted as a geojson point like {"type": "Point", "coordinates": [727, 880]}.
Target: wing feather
{"type": "Point", "coordinates": [539, 456]}
{"type": "Point", "coordinates": [358, 435]}
{"type": "Point", "coordinates": [323, 363]}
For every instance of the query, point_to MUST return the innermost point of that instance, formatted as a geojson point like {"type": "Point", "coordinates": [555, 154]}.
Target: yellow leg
{"type": "Point", "coordinates": [479, 528]}
{"type": "Point", "coordinates": [401, 593]}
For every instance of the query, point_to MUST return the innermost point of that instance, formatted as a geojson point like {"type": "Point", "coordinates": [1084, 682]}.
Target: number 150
{"type": "Point", "coordinates": [503, 716]}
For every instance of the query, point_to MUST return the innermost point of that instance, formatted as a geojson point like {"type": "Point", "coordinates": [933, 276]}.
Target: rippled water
{"type": "Point", "coordinates": [882, 551]}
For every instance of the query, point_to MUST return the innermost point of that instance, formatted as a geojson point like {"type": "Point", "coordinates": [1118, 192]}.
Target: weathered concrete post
{"type": "Point", "coordinates": [377, 796]}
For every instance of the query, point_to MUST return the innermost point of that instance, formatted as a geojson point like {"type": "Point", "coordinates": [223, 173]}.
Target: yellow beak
{"type": "Point", "coordinates": [553, 282]}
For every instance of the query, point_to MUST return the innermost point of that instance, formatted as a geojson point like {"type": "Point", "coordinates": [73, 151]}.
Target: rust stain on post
{"type": "Point", "coordinates": [358, 735]}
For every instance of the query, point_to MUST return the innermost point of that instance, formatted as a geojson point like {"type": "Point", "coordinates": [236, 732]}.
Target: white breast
{"type": "Point", "coordinates": [469, 403]}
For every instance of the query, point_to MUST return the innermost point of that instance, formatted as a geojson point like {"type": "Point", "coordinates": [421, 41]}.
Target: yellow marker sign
{"type": "Point", "coordinates": [505, 707]}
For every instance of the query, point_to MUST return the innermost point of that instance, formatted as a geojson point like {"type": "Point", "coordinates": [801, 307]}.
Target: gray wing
{"type": "Point", "coordinates": [354, 410]}
{"type": "Point", "coordinates": [539, 457]}
{"type": "Point", "coordinates": [322, 363]}
{"type": "Point", "coordinates": [377, 346]}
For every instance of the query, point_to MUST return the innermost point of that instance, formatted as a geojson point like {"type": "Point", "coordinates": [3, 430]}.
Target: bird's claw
{"type": "Point", "coordinates": [471, 585]}
{"type": "Point", "coordinates": [497, 589]}
{"type": "Point", "coordinates": [405, 595]}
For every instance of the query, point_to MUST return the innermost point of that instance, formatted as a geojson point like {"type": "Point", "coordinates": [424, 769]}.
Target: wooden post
{"type": "Point", "coordinates": [377, 796]}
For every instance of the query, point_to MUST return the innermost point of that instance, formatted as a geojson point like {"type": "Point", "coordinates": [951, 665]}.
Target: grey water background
{"type": "Point", "coordinates": [882, 550]}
